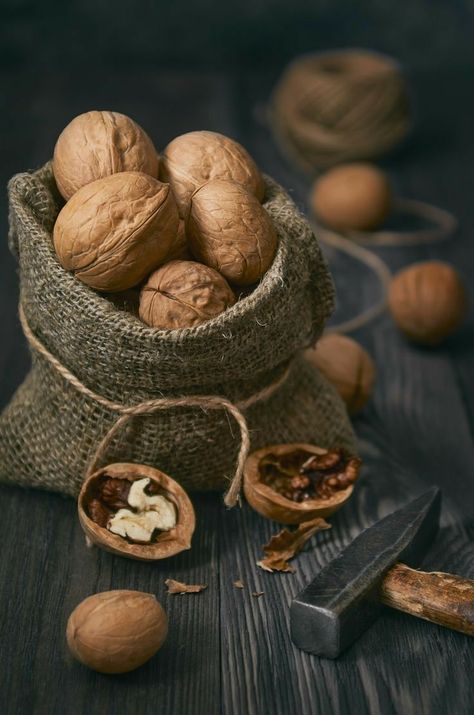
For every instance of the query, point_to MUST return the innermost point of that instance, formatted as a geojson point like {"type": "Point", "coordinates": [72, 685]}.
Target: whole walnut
{"type": "Point", "coordinates": [182, 294]}
{"type": "Point", "coordinates": [229, 230]}
{"type": "Point", "coordinates": [113, 232]}
{"type": "Point", "coordinates": [97, 144]}
{"type": "Point", "coordinates": [194, 158]}
{"type": "Point", "coordinates": [428, 301]}
{"type": "Point", "coordinates": [347, 366]}
{"type": "Point", "coordinates": [353, 197]}
{"type": "Point", "coordinates": [116, 631]}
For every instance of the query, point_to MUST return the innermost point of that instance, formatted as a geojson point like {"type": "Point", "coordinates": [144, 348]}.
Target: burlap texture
{"type": "Point", "coordinates": [49, 431]}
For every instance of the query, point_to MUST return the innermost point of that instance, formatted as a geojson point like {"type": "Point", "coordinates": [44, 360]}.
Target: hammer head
{"type": "Point", "coordinates": [342, 600]}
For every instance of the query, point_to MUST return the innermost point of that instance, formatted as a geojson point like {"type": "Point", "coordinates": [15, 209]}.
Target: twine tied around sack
{"type": "Point", "coordinates": [149, 407]}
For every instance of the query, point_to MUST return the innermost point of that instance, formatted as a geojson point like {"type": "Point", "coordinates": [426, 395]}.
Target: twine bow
{"type": "Point", "coordinates": [149, 407]}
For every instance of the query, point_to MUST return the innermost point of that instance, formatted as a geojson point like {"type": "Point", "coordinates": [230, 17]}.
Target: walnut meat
{"type": "Point", "coordinates": [194, 158]}
{"type": "Point", "coordinates": [182, 294]}
{"type": "Point", "coordinates": [230, 231]}
{"type": "Point", "coordinates": [97, 144]}
{"type": "Point", "coordinates": [428, 301]}
{"type": "Point", "coordinates": [136, 511]}
{"type": "Point", "coordinates": [116, 631]}
{"type": "Point", "coordinates": [294, 483]}
{"type": "Point", "coordinates": [113, 232]}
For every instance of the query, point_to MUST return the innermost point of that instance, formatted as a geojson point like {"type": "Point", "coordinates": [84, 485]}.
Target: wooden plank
{"type": "Point", "coordinates": [46, 570]}
{"type": "Point", "coordinates": [228, 651]}
{"type": "Point", "coordinates": [415, 433]}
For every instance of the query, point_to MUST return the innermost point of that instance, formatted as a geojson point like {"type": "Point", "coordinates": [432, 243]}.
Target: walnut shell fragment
{"type": "Point", "coordinates": [116, 631]}
{"type": "Point", "coordinates": [175, 587]}
{"type": "Point", "coordinates": [230, 231]}
{"type": "Point", "coordinates": [286, 544]}
{"type": "Point", "coordinates": [97, 144]}
{"type": "Point", "coordinates": [113, 232]}
{"type": "Point", "coordinates": [316, 481]}
{"type": "Point", "coordinates": [95, 505]}
{"type": "Point", "coordinates": [182, 294]}
{"type": "Point", "coordinates": [192, 159]}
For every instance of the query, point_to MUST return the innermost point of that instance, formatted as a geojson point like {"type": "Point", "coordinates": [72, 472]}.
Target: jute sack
{"type": "Point", "coordinates": [105, 388]}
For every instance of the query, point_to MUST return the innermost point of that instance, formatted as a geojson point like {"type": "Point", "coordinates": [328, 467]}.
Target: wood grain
{"type": "Point", "coordinates": [442, 598]}
{"type": "Point", "coordinates": [228, 651]}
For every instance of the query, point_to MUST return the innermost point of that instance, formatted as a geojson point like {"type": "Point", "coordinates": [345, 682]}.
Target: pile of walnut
{"type": "Point", "coordinates": [181, 231]}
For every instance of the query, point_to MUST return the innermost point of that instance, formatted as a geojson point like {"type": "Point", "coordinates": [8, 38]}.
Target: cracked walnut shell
{"type": "Point", "coordinates": [116, 631]}
{"type": "Point", "coordinates": [106, 491]}
{"type": "Point", "coordinates": [295, 483]}
{"type": "Point", "coordinates": [192, 159]}
{"type": "Point", "coordinates": [113, 232]}
{"type": "Point", "coordinates": [182, 294]}
{"type": "Point", "coordinates": [229, 230]}
{"type": "Point", "coordinates": [97, 144]}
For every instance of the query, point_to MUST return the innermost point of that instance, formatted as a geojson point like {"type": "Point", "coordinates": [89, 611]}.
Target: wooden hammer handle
{"type": "Point", "coordinates": [437, 597]}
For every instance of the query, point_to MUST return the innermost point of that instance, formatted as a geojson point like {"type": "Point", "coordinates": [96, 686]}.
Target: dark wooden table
{"type": "Point", "coordinates": [229, 652]}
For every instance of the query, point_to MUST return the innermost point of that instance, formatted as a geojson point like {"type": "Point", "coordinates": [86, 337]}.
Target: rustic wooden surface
{"type": "Point", "coordinates": [228, 651]}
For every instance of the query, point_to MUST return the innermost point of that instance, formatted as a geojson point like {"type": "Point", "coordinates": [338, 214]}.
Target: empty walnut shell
{"type": "Point", "coordinates": [273, 505]}
{"type": "Point", "coordinates": [97, 144]}
{"type": "Point", "coordinates": [167, 543]}
{"type": "Point", "coordinates": [196, 157]}
{"type": "Point", "coordinates": [229, 230]}
{"type": "Point", "coordinates": [113, 232]}
{"type": "Point", "coordinates": [182, 294]}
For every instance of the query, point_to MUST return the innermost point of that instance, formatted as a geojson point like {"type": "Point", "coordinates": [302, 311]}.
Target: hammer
{"type": "Point", "coordinates": [378, 568]}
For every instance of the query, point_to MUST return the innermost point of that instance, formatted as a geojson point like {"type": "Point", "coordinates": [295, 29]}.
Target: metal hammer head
{"type": "Point", "coordinates": [342, 602]}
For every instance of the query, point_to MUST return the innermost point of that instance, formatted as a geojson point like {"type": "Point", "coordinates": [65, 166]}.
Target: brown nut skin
{"type": "Point", "coordinates": [97, 144]}
{"type": "Point", "coordinates": [428, 301]}
{"type": "Point", "coordinates": [273, 505]}
{"type": "Point", "coordinates": [347, 366]}
{"type": "Point", "coordinates": [353, 197]}
{"type": "Point", "coordinates": [113, 232]}
{"type": "Point", "coordinates": [229, 230]}
{"type": "Point", "coordinates": [168, 543]}
{"type": "Point", "coordinates": [182, 294]}
{"type": "Point", "coordinates": [116, 631]}
{"type": "Point", "coordinates": [192, 159]}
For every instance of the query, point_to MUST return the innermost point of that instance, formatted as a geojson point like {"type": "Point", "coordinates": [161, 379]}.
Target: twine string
{"type": "Point", "coordinates": [149, 407]}
{"type": "Point", "coordinates": [357, 243]}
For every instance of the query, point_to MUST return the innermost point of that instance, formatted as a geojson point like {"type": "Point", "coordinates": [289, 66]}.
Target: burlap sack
{"type": "Point", "coordinates": [50, 430]}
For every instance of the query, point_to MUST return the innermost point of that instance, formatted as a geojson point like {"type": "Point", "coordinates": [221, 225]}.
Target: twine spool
{"type": "Point", "coordinates": [332, 107]}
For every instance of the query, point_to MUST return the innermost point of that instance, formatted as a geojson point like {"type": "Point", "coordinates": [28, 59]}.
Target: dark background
{"type": "Point", "coordinates": [174, 67]}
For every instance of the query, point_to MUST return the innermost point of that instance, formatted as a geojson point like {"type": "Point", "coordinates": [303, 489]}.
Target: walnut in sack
{"type": "Point", "coordinates": [192, 159]}
{"type": "Point", "coordinates": [230, 231]}
{"type": "Point", "coordinates": [97, 144]}
{"type": "Point", "coordinates": [182, 294]}
{"type": "Point", "coordinates": [113, 232]}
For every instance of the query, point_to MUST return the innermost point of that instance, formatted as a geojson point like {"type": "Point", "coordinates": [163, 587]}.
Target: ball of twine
{"type": "Point", "coordinates": [332, 107]}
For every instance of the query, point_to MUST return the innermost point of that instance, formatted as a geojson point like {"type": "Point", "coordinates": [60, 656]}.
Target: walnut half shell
{"type": "Point", "coordinates": [312, 490]}
{"type": "Point", "coordinates": [93, 516]}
